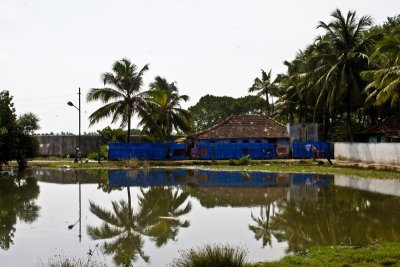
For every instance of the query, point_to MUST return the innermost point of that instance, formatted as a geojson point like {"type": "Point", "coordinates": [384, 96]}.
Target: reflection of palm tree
{"type": "Point", "coordinates": [341, 216]}
{"type": "Point", "coordinates": [262, 228]}
{"type": "Point", "coordinates": [17, 198]}
{"type": "Point", "coordinates": [160, 210]}
{"type": "Point", "coordinates": [157, 217]}
{"type": "Point", "coordinates": [122, 226]}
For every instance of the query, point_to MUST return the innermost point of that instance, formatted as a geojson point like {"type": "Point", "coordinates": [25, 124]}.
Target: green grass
{"type": "Point", "coordinates": [370, 256]}
{"type": "Point", "coordinates": [212, 256]}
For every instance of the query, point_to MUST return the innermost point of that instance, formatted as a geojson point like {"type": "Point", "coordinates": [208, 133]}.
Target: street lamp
{"type": "Point", "coordinates": [79, 138]}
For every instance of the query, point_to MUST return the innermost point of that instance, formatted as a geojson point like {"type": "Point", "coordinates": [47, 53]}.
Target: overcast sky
{"type": "Point", "coordinates": [48, 48]}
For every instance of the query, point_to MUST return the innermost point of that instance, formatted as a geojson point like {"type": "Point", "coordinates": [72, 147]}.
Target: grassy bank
{"type": "Point", "coordinates": [308, 166]}
{"type": "Point", "coordinates": [377, 255]}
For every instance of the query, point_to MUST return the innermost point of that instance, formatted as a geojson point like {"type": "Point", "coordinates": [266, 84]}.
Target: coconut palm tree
{"type": "Point", "coordinates": [164, 112]}
{"type": "Point", "coordinates": [264, 88]}
{"type": "Point", "coordinates": [122, 96]}
{"type": "Point", "coordinates": [384, 82]}
{"type": "Point", "coordinates": [340, 80]}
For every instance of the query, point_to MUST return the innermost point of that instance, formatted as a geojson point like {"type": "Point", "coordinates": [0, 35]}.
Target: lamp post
{"type": "Point", "coordinates": [79, 138]}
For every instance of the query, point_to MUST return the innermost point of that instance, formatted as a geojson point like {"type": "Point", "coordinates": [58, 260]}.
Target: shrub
{"type": "Point", "coordinates": [95, 154]}
{"type": "Point", "coordinates": [243, 161]}
{"type": "Point", "coordinates": [212, 255]}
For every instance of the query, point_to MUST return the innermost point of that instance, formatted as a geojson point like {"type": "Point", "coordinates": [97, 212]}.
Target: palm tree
{"type": "Point", "coordinates": [384, 82]}
{"type": "Point", "coordinates": [122, 97]}
{"type": "Point", "coordinates": [340, 79]}
{"type": "Point", "coordinates": [164, 112]}
{"type": "Point", "coordinates": [264, 87]}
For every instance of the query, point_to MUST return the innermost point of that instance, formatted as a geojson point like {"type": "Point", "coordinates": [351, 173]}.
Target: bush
{"type": "Point", "coordinates": [212, 255]}
{"type": "Point", "coordinates": [95, 154]}
{"type": "Point", "coordinates": [243, 161]}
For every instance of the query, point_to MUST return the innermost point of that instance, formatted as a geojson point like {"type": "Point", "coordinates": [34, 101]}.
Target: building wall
{"type": "Point", "coordinates": [61, 146]}
{"type": "Point", "coordinates": [303, 132]}
{"type": "Point", "coordinates": [382, 153]}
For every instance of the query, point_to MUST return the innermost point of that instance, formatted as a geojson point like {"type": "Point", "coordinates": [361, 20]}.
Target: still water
{"type": "Point", "coordinates": [149, 216]}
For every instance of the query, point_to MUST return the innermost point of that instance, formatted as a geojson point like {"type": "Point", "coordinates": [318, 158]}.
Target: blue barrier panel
{"type": "Point", "coordinates": [147, 151]}
{"type": "Point", "coordinates": [235, 150]}
{"type": "Point", "coordinates": [307, 150]}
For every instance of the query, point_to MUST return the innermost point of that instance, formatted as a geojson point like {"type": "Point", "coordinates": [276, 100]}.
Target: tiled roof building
{"type": "Point", "coordinates": [386, 131]}
{"type": "Point", "coordinates": [244, 127]}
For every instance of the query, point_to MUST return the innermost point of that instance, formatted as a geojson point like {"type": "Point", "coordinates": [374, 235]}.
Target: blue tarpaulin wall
{"type": "Point", "coordinates": [207, 150]}
{"type": "Point", "coordinates": [147, 151]}
{"type": "Point", "coordinates": [307, 150]}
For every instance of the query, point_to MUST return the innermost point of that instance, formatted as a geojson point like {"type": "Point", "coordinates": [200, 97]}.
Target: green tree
{"type": "Point", "coordinates": [26, 144]}
{"type": "Point", "coordinates": [113, 135]}
{"type": "Point", "coordinates": [164, 113]}
{"type": "Point", "coordinates": [264, 88]}
{"type": "Point", "coordinates": [8, 124]}
{"type": "Point", "coordinates": [123, 96]}
{"type": "Point", "coordinates": [340, 79]}
{"type": "Point", "coordinates": [384, 82]}
{"type": "Point", "coordinates": [210, 110]}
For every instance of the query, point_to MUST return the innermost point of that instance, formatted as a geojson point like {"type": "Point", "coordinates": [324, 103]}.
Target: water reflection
{"type": "Point", "coordinates": [158, 217]}
{"type": "Point", "coordinates": [340, 216]}
{"type": "Point", "coordinates": [163, 211]}
{"type": "Point", "coordinates": [17, 201]}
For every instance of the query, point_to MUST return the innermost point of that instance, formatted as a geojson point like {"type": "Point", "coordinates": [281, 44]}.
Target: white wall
{"type": "Point", "coordinates": [384, 153]}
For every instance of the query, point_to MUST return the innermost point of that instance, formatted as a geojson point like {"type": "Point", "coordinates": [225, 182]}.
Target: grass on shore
{"type": "Point", "coordinates": [286, 166]}
{"type": "Point", "coordinates": [370, 256]}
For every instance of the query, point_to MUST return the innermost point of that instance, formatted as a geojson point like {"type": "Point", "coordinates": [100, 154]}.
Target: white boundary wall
{"type": "Point", "coordinates": [383, 153]}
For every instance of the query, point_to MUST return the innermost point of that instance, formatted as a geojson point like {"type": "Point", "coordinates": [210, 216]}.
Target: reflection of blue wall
{"type": "Point", "coordinates": [205, 178]}
{"type": "Point", "coordinates": [312, 179]}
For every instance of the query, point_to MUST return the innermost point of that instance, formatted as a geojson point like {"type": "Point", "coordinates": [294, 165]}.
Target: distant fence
{"type": "Point", "coordinates": [381, 153]}
{"type": "Point", "coordinates": [307, 150]}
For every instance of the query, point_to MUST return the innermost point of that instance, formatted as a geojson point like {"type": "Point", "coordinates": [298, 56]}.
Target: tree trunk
{"type": "Point", "coordinates": [128, 138]}
{"type": "Point", "coordinates": [349, 124]}
{"type": "Point", "coordinates": [266, 104]}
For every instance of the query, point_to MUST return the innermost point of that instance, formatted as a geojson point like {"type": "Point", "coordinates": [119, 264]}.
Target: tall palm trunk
{"type": "Point", "coordinates": [348, 113]}
{"type": "Point", "coordinates": [128, 138]}
{"type": "Point", "coordinates": [266, 104]}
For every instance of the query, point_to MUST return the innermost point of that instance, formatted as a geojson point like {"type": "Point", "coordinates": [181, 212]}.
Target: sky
{"type": "Point", "coordinates": [49, 49]}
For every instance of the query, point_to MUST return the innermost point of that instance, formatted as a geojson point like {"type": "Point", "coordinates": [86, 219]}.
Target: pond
{"type": "Point", "coordinates": [149, 216]}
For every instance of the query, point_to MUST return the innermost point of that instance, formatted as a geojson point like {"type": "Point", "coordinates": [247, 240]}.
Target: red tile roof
{"type": "Point", "coordinates": [244, 126]}
{"type": "Point", "coordinates": [389, 127]}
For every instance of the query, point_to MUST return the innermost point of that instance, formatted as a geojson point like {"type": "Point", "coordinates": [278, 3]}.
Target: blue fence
{"type": "Point", "coordinates": [147, 151]}
{"type": "Point", "coordinates": [307, 150]}
{"type": "Point", "coordinates": [234, 150]}
{"type": "Point", "coordinates": [217, 151]}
